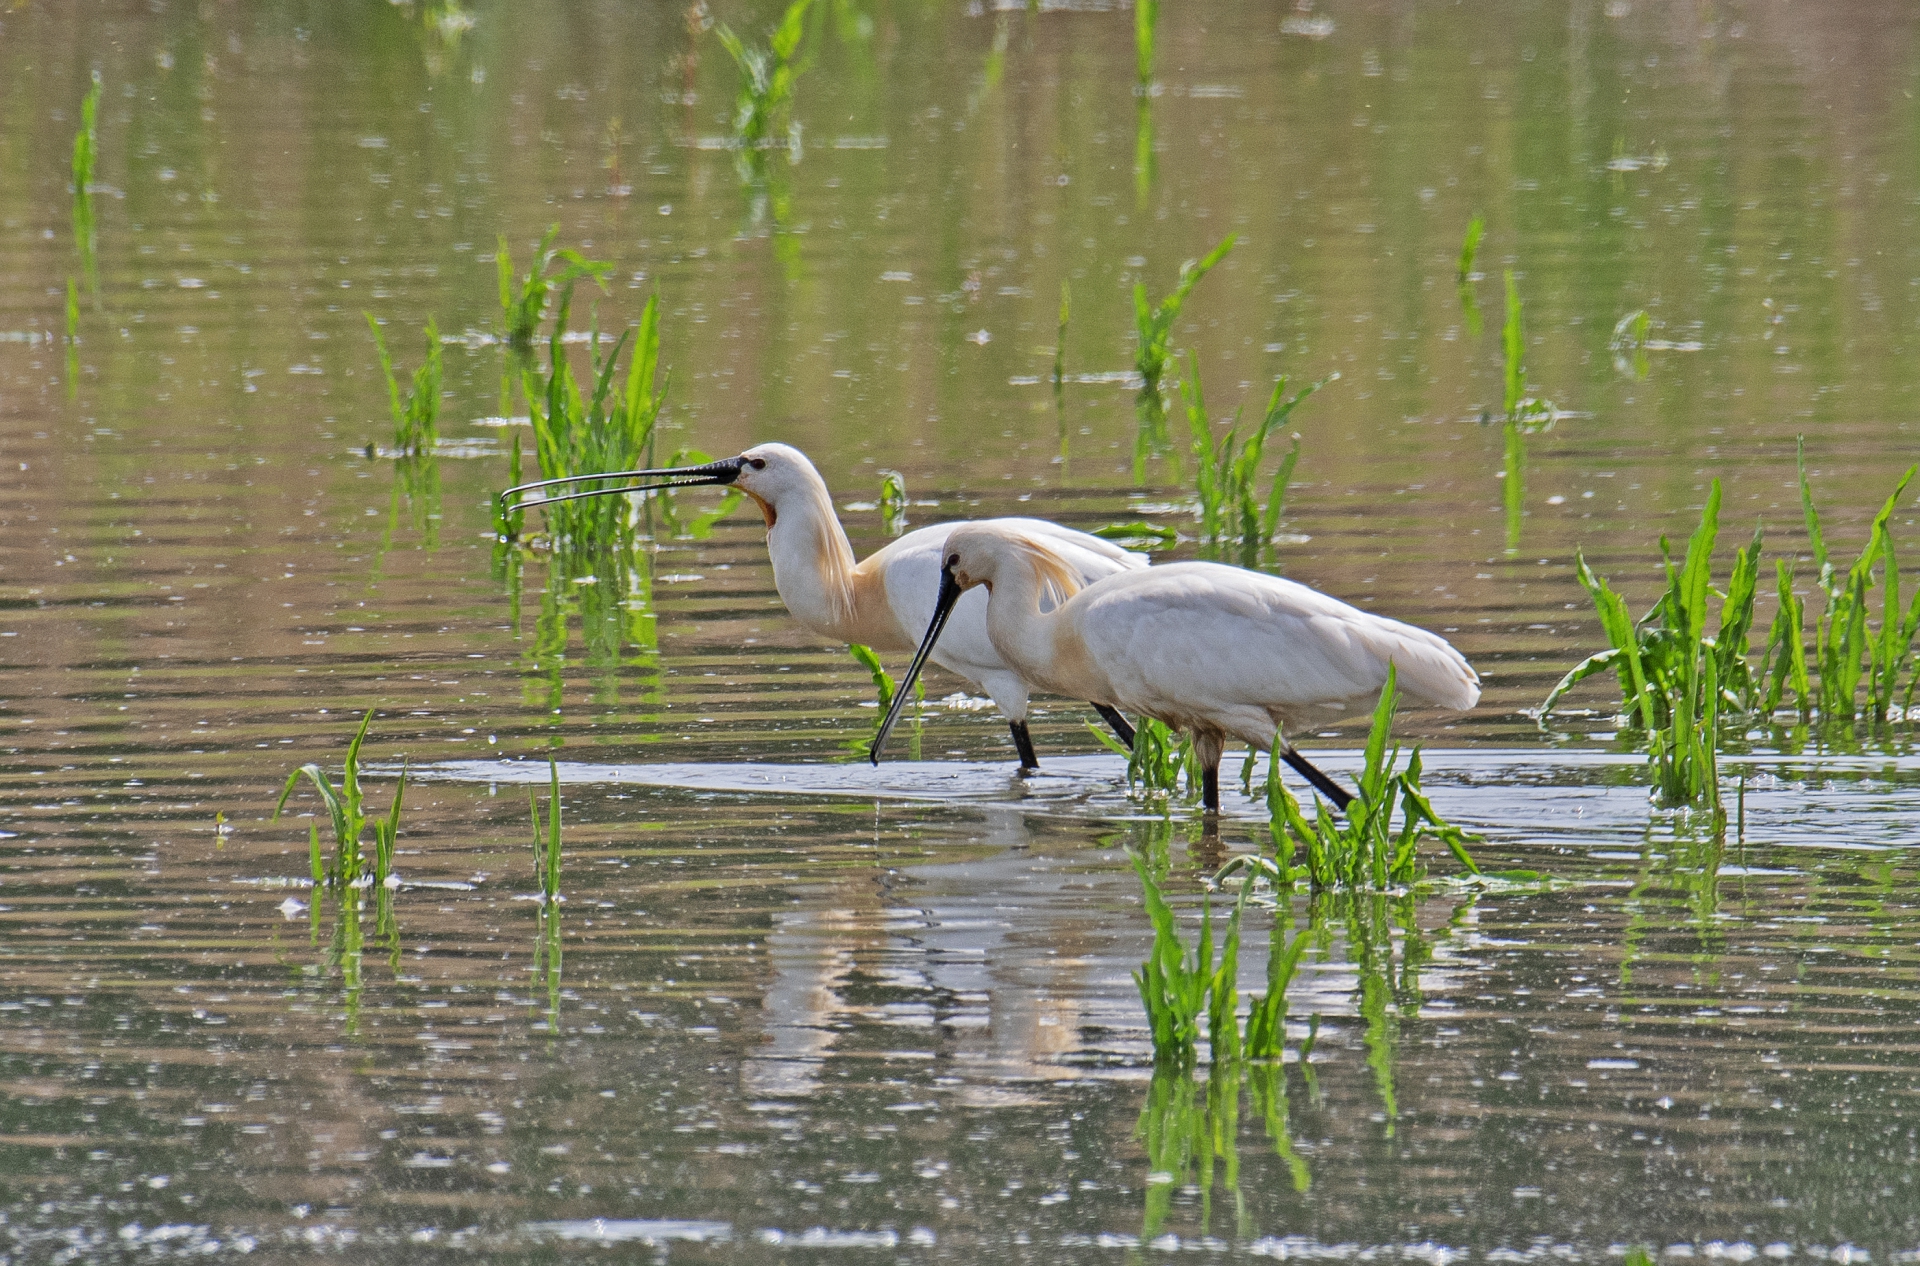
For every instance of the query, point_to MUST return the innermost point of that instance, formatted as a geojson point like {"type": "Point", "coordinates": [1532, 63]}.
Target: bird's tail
{"type": "Point", "coordinates": [1430, 670]}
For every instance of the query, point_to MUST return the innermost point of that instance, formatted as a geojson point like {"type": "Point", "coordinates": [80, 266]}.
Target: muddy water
{"type": "Point", "coordinates": [798, 1004]}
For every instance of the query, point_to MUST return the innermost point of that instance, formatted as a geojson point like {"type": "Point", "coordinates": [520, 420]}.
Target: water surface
{"type": "Point", "coordinates": [799, 1005]}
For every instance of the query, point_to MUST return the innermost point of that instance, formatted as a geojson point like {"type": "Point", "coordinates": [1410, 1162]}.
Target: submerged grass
{"type": "Point", "coordinates": [346, 811]}
{"type": "Point", "coordinates": [416, 420]}
{"type": "Point", "coordinates": [523, 306]}
{"type": "Point", "coordinates": [1235, 525]}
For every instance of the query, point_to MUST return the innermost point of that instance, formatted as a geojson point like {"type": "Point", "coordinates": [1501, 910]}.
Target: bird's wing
{"type": "Point", "coordinates": [1190, 638]}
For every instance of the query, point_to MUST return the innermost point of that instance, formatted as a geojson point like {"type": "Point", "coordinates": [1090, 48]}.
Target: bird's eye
{"type": "Point", "coordinates": [758, 463]}
{"type": "Point", "coordinates": [953, 560]}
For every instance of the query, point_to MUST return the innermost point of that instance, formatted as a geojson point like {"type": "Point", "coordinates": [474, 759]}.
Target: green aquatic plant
{"type": "Point", "coordinates": [882, 681]}
{"type": "Point", "coordinates": [1846, 649]}
{"type": "Point", "coordinates": [893, 502]}
{"type": "Point", "coordinates": [73, 338]}
{"type": "Point", "coordinates": [1629, 344]}
{"type": "Point", "coordinates": [1060, 354]}
{"type": "Point", "coordinates": [86, 141]}
{"type": "Point", "coordinates": [1234, 524]}
{"type": "Point", "coordinates": [416, 420]}
{"type": "Point", "coordinates": [1675, 679]}
{"type": "Point", "coordinates": [1160, 764]}
{"type": "Point", "coordinates": [582, 433]}
{"type": "Point", "coordinates": [523, 306]}
{"type": "Point", "coordinates": [346, 811]}
{"type": "Point", "coordinates": [1469, 250]}
{"type": "Point", "coordinates": [546, 836]}
{"type": "Point", "coordinates": [1365, 850]}
{"type": "Point", "coordinates": [1140, 535]}
{"type": "Point", "coordinates": [1146, 20]}
{"type": "Point", "coordinates": [86, 156]}
{"type": "Point", "coordinates": [764, 100]}
{"type": "Point", "coordinates": [1522, 414]}
{"type": "Point", "coordinates": [1154, 323]}
{"type": "Point", "coordinates": [1178, 986]}
{"type": "Point", "coordinates": [1517, 406]}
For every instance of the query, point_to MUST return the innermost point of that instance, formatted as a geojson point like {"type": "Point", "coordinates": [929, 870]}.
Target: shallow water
{"type": "Point", "coordinates": [801, 1004]}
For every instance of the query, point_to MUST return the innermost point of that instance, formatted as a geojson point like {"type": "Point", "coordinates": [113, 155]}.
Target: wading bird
{"type": "Point", "coordinates": [1214, 650]}
{"type": "Point", "coordinates": [886, 599]}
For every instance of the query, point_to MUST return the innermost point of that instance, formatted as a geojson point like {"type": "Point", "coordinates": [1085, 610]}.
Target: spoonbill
{"type": "Point", "coordinates": [885, 599]}
{"type": "Point", "coordinates": [1214, 650]}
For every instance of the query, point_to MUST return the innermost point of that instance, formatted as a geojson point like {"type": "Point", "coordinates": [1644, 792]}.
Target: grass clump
{"type": "Point", "coordinates": [580, 432]}
{"type": "Point", "coordinates": [1146, 21]}
{"type": "Point", "coordinates": [1160, 764]}
{"type": "Point", "coordinates": [346, 810]}
{"type": "Point", "coordinates": [1846, 650]}
{"type": "Point", "coordinates": [1675, 679]}
{"type": "Point", "coordinates": [1234, 524]}
{"type": "Point", "coordinates": [416, 421]}
{"type": "Point", "coordinates": [764, 100]}
{"type": "Point", "coordinates": [1365, 850]}
{"type": "Point", "coordinates": [523, 306]}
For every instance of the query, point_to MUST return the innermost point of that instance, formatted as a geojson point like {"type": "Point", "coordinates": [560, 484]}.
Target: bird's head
{"type": "Point", "coordinates": [769, 473]}
{"type": "Point", "coordinates": [773, 474]}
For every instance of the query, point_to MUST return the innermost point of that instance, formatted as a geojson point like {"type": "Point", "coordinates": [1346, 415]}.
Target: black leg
{"type": "Point", "coordinates": [1327, 787]}
{"type": "Point", "coordinates": [1117, 723]}
{"type": "Point", "coordinates": [1210, 789]}
{"type": "Point", "coordinates": [1023, 743]}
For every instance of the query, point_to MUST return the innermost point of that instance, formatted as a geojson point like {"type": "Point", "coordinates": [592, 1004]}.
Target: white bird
{"type": "Point", "coordinates": [887, 598]}
{"type": "Point", "coordinates": [1214, 650]}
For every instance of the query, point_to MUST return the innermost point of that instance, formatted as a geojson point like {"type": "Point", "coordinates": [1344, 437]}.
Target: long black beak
{"type": "Point", "coordinates": [521, 496]}
{"type": "Point", "coordinates": [950, 592]}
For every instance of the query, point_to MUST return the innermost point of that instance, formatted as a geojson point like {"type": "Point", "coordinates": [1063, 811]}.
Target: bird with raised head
{"type": "Point", "coordinates": [885, 599]}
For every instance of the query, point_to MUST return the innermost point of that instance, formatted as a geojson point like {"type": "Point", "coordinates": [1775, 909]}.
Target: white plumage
{"type": "Point", "coordinates": [886, 599]}
{"type": "Point", "coordinates": [1218, 651]}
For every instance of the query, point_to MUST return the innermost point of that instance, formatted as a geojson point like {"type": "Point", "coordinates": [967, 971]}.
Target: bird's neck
{"type": "Point", "coordinates": [1028, 625]}
{"type": "Point", "coordinates": [813, 565]}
